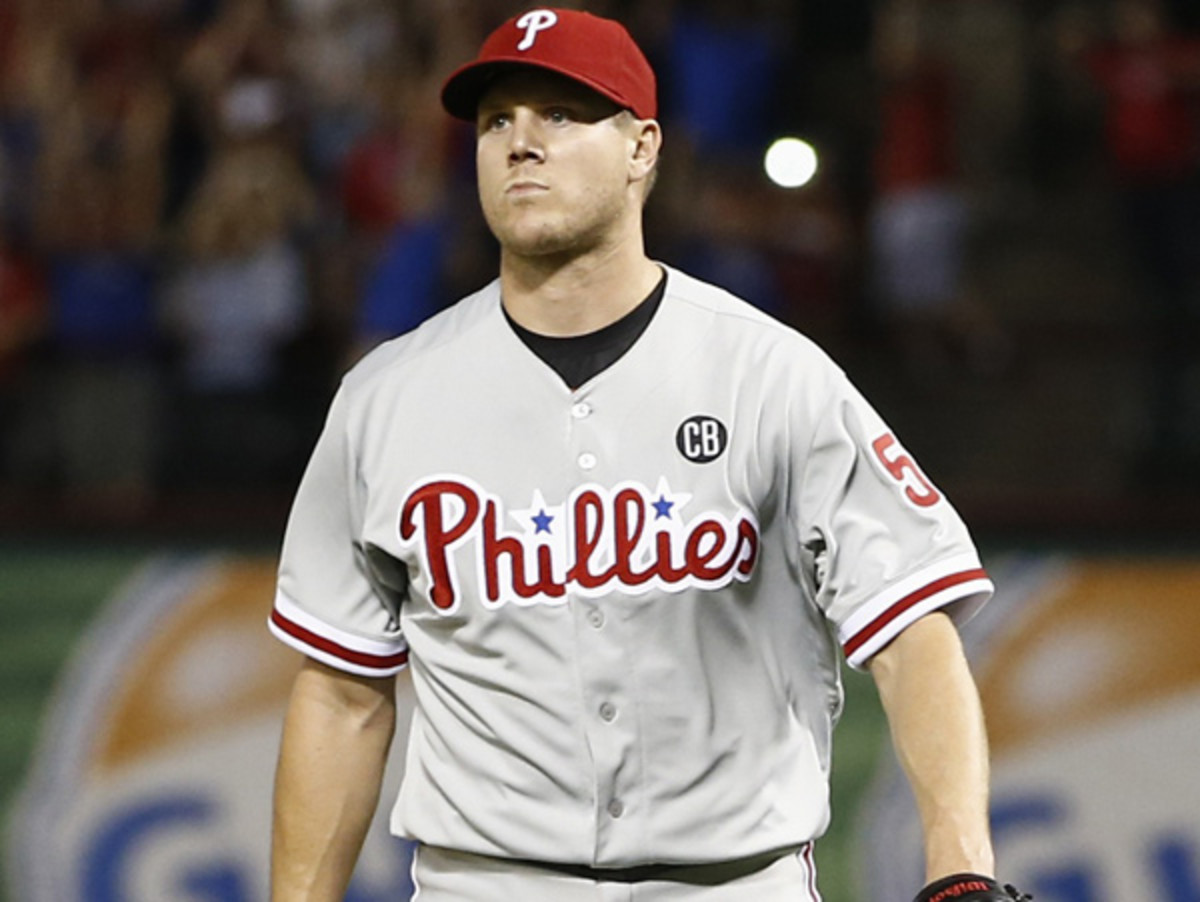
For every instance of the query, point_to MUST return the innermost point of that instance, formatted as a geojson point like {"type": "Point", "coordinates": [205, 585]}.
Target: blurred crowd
{"type": "Point", "coordinates": [210, 208]}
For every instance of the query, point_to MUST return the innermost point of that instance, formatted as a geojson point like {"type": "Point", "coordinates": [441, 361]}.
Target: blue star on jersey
{"type": "Point", "coordinates": [668, 502]}
{"type": "Point", "coordinates": [540, 518]}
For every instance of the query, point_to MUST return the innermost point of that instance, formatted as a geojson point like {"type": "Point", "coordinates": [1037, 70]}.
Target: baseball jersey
{"type": "Point", "coordinates": [624, 606]}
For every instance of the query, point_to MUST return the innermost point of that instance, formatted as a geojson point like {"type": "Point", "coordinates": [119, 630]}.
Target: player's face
{"type": "Point", "coordinates": [558, 165]}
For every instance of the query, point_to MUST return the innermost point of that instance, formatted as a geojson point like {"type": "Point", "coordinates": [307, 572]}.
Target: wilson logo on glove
{"type": "Point", "coordinates": [970, 888]}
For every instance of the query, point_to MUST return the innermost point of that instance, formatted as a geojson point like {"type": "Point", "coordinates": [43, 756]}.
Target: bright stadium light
{"type": "Point", "coordinates": [790, 162]}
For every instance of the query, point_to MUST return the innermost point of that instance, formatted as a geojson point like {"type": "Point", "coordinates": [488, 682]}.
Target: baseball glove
{"type": "Point", "coordinates": [970, 888]}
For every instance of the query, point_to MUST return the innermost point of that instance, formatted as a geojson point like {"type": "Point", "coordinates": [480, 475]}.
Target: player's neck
{"type": "Point", "coordinates": [576, 295]}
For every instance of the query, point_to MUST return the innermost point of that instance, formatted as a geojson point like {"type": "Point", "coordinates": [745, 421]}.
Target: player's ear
{"type": "Point", "coordinates": [646, 143]}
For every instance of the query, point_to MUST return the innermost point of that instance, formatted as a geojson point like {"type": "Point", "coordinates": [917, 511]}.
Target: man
{"type": "Point", "coordinates": [618, 522]}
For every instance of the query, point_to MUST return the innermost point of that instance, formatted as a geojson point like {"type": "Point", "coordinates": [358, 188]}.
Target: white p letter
{"type": "Point", "coordinates": [533, 22]}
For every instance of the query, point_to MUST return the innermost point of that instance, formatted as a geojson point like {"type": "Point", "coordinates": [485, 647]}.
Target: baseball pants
{"type": "Point", "coordinates": [443, 875]}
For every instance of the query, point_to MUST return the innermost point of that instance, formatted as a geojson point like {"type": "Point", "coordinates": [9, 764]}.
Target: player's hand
{"type": "Point", "coordinates": [970, 888]}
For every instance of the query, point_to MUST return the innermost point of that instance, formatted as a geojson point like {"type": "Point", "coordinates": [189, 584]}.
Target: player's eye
{"type": "Point", "coordinates": [492, 122]}
{"type": "Point", "coordinates": [559, 116]}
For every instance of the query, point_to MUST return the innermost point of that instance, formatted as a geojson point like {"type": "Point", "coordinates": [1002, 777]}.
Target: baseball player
{"type": "Point", "coordinates": [621, 526]}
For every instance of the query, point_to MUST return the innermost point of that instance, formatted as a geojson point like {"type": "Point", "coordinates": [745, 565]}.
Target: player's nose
{"type": "Point", "coordinates": [524, 138]}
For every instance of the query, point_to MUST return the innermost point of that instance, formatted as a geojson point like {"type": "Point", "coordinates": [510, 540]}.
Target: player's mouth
{"type": "Point", "coordinates": [525, 188]}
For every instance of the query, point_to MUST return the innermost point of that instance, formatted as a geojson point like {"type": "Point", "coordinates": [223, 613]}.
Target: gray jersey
{"type": "Point", "coordinates": [625, 605]}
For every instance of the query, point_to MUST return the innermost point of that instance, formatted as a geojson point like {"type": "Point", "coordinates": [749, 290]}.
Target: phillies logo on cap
{"type": "Point", "coordinates": [533, 22]}
{"type": "Point", "coordinates": [596, 52]}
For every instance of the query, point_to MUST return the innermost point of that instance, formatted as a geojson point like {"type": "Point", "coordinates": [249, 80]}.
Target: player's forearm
{"type": "Point", "coordinates": [335, 742]}
{"type": "Point", "coordinates": [937, 730]}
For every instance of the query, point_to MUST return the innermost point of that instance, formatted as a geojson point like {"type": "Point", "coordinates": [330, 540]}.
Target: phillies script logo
{"type": "Point", "coordinates": [627, 539]}
{"type": "Point", "coordinates": [533, 22]}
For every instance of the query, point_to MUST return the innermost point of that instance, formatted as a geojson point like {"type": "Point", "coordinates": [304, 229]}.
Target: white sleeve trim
{"type": "Point", "coordinates": [330, 645]}
{"type": "Point", "coordinates": [958, 579]}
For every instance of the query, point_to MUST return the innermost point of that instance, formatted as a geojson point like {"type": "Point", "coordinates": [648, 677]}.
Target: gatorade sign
{"type": "Point", "coordinates": [1090, 677]}
{"type": "Point", "coordinates": [152, 782]}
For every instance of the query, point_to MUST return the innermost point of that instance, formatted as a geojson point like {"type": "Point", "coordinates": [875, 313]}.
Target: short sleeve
{"type": "Point", "coordinates": [326, 604]}
{"type": "Point", "coordinates": [885, 546]}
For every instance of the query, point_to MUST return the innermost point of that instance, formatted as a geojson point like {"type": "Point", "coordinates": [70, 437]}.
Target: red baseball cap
{"type": "Point", "coordinates": [594, 51]}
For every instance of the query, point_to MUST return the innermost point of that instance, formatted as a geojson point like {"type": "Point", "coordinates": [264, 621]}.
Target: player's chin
{"type": "Point", "coordinates": [539, 240]}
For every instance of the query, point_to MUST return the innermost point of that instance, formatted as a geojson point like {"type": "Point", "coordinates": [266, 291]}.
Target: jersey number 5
{"type": "Point", "coordinates": [902, 469]}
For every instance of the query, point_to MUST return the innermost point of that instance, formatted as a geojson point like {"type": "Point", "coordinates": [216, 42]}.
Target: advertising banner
{"type": "Point", "coordinates": [152, 782]}
{"type": "Point", "coordinates": [1089, 671]}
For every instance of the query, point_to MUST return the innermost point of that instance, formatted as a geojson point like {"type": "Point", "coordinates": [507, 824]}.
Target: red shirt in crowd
{"type": "Point", "coordinates": [916, 139]}
{"type": "Point", "coordinates": [1150, 122]}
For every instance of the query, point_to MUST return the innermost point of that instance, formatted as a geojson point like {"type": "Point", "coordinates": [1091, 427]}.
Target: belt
{"type": "Point", "coordinates": [707, 874]}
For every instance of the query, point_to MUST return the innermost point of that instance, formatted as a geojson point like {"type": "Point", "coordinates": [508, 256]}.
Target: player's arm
{"type": "Point", "coordinates": [336, 737]}
{"type": "Point", "coordinates": [937, 728]}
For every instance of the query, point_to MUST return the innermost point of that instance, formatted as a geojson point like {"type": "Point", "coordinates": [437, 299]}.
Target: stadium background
{"type": "Point", "coordinates": [210, 207]}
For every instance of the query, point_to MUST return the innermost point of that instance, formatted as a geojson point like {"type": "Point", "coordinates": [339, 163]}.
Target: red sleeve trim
{"type": "Point", "coordinates": [863, 636]}
{"type": "Point", "coordinates": [359, 658]}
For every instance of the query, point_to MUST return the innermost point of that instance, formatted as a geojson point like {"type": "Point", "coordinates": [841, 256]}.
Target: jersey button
{"type": "Point", "coordinates": [616, 808]}
{"type": "Point", "coordinates": [608, 712]}
{"type": "Point", "coordinates": [596, 617]}
{"type": "Point", "coordinates": [587, 460]}
{"type": "Point", "coordinates": [581, 410]}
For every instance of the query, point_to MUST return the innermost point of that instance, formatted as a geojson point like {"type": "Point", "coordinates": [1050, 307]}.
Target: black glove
{"type": "Point", "coordinates": [970, 888]}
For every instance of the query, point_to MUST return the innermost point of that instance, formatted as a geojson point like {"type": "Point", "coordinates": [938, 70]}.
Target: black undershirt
{"type": "Point", "coordinates": [577, 358]}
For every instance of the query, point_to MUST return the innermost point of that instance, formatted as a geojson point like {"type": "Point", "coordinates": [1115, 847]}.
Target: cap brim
{"type": "Point", "coordinates": [463, 89]}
